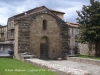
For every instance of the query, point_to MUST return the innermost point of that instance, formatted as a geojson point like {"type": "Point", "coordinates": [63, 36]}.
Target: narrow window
{"type": "Point", "coordinates": [44, 25]}
{"type": "Point", "coordinates": [76, 33]}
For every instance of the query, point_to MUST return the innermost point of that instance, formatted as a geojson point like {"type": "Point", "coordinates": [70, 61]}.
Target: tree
{"type": "Point", "coordinates": [89, 24]}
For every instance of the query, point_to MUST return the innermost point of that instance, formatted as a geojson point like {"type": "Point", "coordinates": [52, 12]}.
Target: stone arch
{"type": "Point", "coordinates": [44, 47]}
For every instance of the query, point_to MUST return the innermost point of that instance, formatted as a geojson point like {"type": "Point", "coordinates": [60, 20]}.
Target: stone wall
{"type": "Point", "coordinates": [87, 49]}
{"type": "Point", "coordinates": [30, 32]}
{"type": "Point", "coordinates": [22, 36]}
{"type": "Point", "coordinates": [57, 33]}
{"type": "Point", "coordinates": [52, 33]}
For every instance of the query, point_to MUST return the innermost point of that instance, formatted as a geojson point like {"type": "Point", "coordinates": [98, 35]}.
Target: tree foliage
{"type": "Point", "coordinates": [89, 22]}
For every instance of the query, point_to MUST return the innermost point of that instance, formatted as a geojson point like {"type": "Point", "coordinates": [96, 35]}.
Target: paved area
{"type": "Point", "coordinates": [3, 53]}
{"type": "Point", "coordinates": [94, 69]}
{"type": "Point", "coordinates": [69, 66]}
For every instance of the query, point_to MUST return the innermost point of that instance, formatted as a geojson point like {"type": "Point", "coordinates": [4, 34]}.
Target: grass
{"type": "Point", "coordinates": [85, 56]}
{"type": "Point", "coordinates": [15, 67]}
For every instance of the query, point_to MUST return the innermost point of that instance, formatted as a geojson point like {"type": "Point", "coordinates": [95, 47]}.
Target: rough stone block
{"type": "Point", "coordinates": [59, 59]}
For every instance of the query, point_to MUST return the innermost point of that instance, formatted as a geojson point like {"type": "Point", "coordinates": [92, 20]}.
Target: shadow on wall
{"type": "Point", "coordinates": [91, 51]}
{"type": "Point", "coordinates": [88, 49]}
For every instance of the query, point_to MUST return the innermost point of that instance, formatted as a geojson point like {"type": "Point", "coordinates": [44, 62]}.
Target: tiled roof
{"type": "Point", "coordinates": [72, 24]}
{"type": "Point", "coordinates": [29, 12]}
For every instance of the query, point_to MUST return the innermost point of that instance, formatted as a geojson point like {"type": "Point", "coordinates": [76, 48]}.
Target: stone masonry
{"type": "Point", "coordinates": [30, 34]}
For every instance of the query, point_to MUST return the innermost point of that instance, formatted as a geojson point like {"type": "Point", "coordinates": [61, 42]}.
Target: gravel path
{"type": "Point", "coordinates": [93, 69]}
{"type": "Point", "coordinates": [68, 67]}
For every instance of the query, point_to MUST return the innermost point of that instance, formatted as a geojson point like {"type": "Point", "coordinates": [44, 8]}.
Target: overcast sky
{"type": "Point", "coordinates": [9, 8]}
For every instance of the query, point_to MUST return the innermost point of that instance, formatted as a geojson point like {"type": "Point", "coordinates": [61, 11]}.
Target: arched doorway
{"type": "Point", "coordinates": [44, 48]}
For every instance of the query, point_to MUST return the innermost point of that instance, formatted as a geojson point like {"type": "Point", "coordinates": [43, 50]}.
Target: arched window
{"type": "Point", "coordinates": [44, 24]}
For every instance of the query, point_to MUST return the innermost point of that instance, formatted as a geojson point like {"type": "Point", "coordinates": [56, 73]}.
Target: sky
{"type": "Point", "coordinates": [10, 8]}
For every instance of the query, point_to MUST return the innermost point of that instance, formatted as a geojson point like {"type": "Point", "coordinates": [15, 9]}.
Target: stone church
{"type": "Point", "coordinates": [40, 32]}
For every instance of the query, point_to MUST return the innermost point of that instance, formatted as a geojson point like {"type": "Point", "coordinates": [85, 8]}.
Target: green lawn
{"type": "Point", "coordinates": [15, 67]}
{"type": "Point", "coordinates": [91, 57]}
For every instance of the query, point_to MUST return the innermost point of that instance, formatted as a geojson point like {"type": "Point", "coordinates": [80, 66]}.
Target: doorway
{"type": "Point", "coordinates": [44, 48]}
